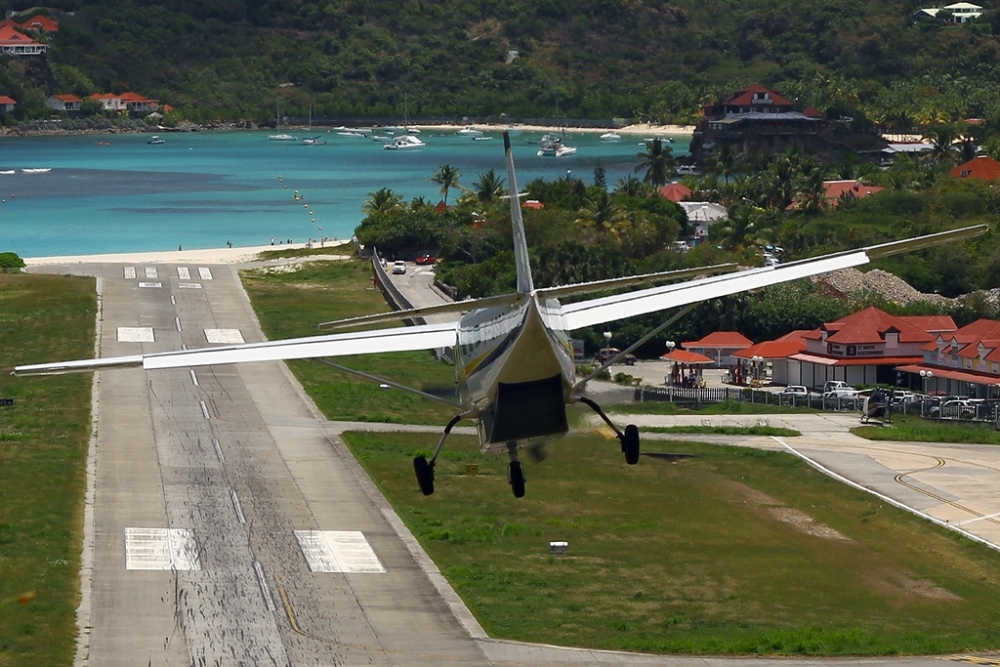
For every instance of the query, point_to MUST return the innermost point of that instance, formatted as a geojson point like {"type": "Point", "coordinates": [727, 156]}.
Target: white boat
{"type": "Point", "coordinates": [281, 137]}
{"type": "Point", "coordinates": [313, 141]}
{"type": "Point", "coordinates": [381, 137]}
{"type": "Point", "coordinates": [552, 146]}
{"type": "Point", "coordinates": [469, 131]}
{"type": "Point", "coordinates": [8, 172]}
{"type": "Point", "coordinates": [353, 133]}
{"type": "Point", "coordinates": [404, 141]}
{"type": "Point", "coordinates": [663, 140]}
{"type": "Point", "coordinates": [155, 139]}
{"type": "Point", "coordinates": [611, 136]}
{"type": "Point", "coordinates": [482, 138]}
{"type": "Point", "coordinates": [36, 171]}
{"type": "Point", "coordinates": [512, 129]}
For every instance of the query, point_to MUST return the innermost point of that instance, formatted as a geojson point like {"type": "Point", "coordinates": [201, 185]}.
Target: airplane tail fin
{"type": "Point", "coordinates": [524, 283]}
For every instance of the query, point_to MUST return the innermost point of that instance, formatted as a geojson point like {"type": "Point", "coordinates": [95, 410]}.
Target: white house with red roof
{"type": "Point", "coordinates": [64, 102]}
{"type": "Point", "coordinates": [41, 24]}
{"type": "Point", "coordinates": [136, 103]}
{"type": "Point", "coordinates": [7, 104]}
{"type": "Point", "coordinates": [108, 101]}
{"type": "Point", "coordinates": [865, 348]}
{"type": "Point", "coordinates": [776, 354]}
{"type": "Point", "coordinates": [14, 43]}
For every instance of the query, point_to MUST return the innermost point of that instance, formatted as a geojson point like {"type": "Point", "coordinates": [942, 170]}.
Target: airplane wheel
{"type": "Point", "coordinates": [425, 475]}
{"type": "Point", "coordinates": [515, 475]}
{"type": "Point", "coordinates": [630, 444]}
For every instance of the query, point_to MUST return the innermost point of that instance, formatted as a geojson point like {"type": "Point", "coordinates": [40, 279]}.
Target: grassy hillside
{"type": "Point", "coordinates": [604, 58]}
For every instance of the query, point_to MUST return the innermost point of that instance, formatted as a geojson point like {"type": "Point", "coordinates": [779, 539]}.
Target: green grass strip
{"type": "Point", "coordinates": [43, 445]}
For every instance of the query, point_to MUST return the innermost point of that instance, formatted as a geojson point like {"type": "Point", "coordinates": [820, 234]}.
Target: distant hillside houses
{"type": "Point", "coordinates": [959, 12]}
{"type": "Point", "coordinates": [130, 103]}
{"type": "Point", "coordinates": [14, 43]}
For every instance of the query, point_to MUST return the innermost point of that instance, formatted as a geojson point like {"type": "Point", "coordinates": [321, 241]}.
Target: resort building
{"type": "Point", "coordinates": [108, 101]}
{"type": "Point", "coordinates": [982, 167]}
{"type": "Point", "coordinates": [719, 346]}
{"type": "Point", "coordinates": [136, 103]}
{"type": "Point", "coordinates": [69, 103]}
{"type": "Point", "coordinates": [702, 215]}
{"type": "Point", "coordinates": [957, 13]}
{"type": "Point", "coordinates": [7, 104]}
{"type": "Point", "coordinates": [14, 43]}
{"type": "Point", "coordinates": [965, 362]}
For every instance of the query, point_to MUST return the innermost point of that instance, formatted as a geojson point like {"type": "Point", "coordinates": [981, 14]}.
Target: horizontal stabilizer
{"type": "Point", "coordinates": [456, 308]}
{"type": "Point", "coordinates": [397, 339]}
{"type": "Point", "coordinates": [607, 309]}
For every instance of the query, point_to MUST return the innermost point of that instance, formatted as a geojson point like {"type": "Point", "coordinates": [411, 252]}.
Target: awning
{"type": "Point", "coordinates": [949, 374]}
{"type": "Point", "coordinates": [854, 361]}
{"type": "Point", "coordinates": [685, 357]}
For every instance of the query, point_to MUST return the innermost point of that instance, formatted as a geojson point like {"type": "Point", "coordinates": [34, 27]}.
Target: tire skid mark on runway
{"type": "Point", "coordinates": [940, 462]}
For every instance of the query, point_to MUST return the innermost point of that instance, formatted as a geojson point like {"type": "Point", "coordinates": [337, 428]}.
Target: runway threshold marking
{"type": "Point", "coordinates": [183, 273]}
{"type": "Point", "coordinates": [135, 335]}
{"type": "Point", "coordinates": [153, 285]}
{"type": "Point", "coordinates": [224, 336]}
{"type": "Point", "coordinates": [344, 551]}
{"type": "Point", "coordinates": [161, 549]}
{"type": "Point", "coordinates": [151, 272]}
{"type": "Point", "coordinates": [129, 272]}
{"type": "Point", "coordinates": [205, 273]}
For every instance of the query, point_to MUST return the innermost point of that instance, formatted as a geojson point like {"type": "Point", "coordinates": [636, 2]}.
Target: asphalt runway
{"type": "Point", "coordinates": [229, 525]}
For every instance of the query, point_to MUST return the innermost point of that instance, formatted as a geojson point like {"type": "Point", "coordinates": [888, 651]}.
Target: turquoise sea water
{"type": "Point", "coordinates": [202, 190]}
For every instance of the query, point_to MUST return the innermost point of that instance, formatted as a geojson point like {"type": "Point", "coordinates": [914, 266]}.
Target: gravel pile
{"type": "Point", "coordinates": [849, 282]}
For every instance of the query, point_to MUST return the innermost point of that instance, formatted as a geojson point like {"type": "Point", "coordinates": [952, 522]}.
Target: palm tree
{"type": "Point", "coordinates": [943, 136]}
{"type": "Point", "coordinates": [380, 202]}
{"type": "Point", "coordinates": [726, 162]}
{"type": "Point", "coordinates": [489, 187]}
{"type": "Point", "coordinates": [602, 215]}
{"type": "Point", "coordinates": [447, 177]}
{"type": "Point", "coordinates": [630, 186]}
{"type": "Point", "coordinates": [658, 161]}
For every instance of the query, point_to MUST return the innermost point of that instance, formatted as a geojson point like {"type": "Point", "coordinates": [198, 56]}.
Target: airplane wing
{"type": "Point", "coordinates": [399, 339]}
{"type": "Point", "coordinates": [608, 309]}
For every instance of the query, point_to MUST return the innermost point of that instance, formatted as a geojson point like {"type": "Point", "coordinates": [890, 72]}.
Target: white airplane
{"type": "Point", "coordinates": [513, 359]}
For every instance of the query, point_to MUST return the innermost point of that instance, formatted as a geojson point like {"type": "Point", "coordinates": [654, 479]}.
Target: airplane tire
{"type": "Point", "coordinates": [515, 475]}
{"type": "Point", "coordinates": [425, 475]}
{"type": "Point", "coordinates": [630, 443]}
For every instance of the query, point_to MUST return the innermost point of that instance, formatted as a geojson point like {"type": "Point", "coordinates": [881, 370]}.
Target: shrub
{"type": "Point", "coordinates": [10, 260]}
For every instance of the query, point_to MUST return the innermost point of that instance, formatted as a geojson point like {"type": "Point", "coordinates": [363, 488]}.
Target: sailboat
{"type": "Point", "coordinates": [312, 141]}
{"type": "Point", "coordinates": [405, 140]}
{"type": "Point", "coordinates": [277, 124]}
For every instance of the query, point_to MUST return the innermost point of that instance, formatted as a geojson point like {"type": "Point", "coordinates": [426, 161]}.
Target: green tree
{"type": "Point", "coordinates": [658, 163]}
{"type": "Point", "coordinates": [489, 187]}
{"type": "Point", "coordinates": [381, 201]}
{"type": "Point", "coordinates": [447, 177]}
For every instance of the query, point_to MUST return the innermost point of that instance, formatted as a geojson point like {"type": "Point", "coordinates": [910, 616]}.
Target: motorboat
{"type": "Point", "coordinates": [381, 137]}
{"type": "Point", "coordinates": [353, 133]}
{"type": "Point", "coordinates": [470, 131]}
{"type": "Point", "coordinates": [663, 140]}
{"type": "Point", "coordinates": [611, 136]}
{"type": "Point", "coordinates": [155, 139]}
{"type": "Point", "coordinates": [552, 146]}
{"type": "Point", "coordinates": [313, 141]}
{"type": "Point", "coordinates": [36, 171]}
{"type": "Point", "coordinates": [512, 129]}
{"type": "Point", "coordinates": [404, 141]}
{"type": "Point", "coordinates": [281, 137]}
{"type": "Point", "coordinates": [482, 138]}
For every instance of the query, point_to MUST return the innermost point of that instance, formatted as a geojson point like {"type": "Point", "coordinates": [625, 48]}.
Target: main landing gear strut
{"type": "Point", "coordinates": [425, 468]}
{"type": "Point", "coordinates": [629, 439]}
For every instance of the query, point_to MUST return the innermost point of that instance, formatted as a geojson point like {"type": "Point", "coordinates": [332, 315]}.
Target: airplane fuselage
{"type": "Point", "coordinates": [515, 370]}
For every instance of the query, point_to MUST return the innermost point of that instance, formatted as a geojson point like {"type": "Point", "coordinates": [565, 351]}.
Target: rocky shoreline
{"type": "Point", "coordinates": [97, 125]}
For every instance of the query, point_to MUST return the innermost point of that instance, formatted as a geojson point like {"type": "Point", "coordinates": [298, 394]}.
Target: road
{"type": "Point", "coordinates": [229, 525]}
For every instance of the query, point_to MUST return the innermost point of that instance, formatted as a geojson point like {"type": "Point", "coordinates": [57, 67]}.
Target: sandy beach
{"type": "Point", "coordinates": [641, 129]}
{"type": "Point", "coordinates": [242, 255]}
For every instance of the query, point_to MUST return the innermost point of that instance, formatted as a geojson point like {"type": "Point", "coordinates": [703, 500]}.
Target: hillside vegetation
{"type": "Point", "coordinates": [602, 58]}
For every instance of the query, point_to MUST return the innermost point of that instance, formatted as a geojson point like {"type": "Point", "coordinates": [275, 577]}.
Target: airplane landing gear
{"type": "Point", "coordinates": [629, 439]}
{"type": "Point", "coordinates": [424, 468]}
{"type": "Point", "coordinates": [515, 473]}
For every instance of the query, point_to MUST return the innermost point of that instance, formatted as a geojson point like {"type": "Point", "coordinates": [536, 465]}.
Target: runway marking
{"type": "Point", "coordinates": [177, 322]}
{"type": "Point", "coordinates": [150, 271]}
{"type": "Point", "coordinates": [135, 335]}
{"type": "Point", "coordinates": [204, 410]}
{"type": "Point", "coordinates": [150, 284]}
{"type": "Point", "coordinates": [161, 549]}
{"type": "Point", "coordinates": [218, 450]}
{"type": "Point", "coordinates": [129, 272]}
{"type": "Point", "coordinates": [979, 518]}
{"type": "Point", "coordinates": [237, 506]}
{"type": "Point", "coordinates": [205, 272]}
{"type": "Point", "coordinates": [194, 378]}
{"type": "Point", "coordinates": [188, 285]}
{"type": "Point", "coordinates": [224, 336]}
{"type": "Point", "coordinates": [173, 300]}
{"type": "Point", "coordinates": [338, 551]}
{"type": "Point", "coordinates": [264, 589]}
{"type": "Point", "coordinates": [183, 273]}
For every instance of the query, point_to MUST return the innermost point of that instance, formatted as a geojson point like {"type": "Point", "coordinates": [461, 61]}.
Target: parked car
{"type": "Point", "coordinates": [841, 393]}
{"type": "Point", "coordinates": [399, 267]}
{"type": "Point", "coordinates": [902, 396]}
{"type": "Point", "coordinates": [830, 385]}
{"type": "Point", "coordinates": [425, 259]}
{"type": "Point", "coordinates": [795, 390]}
{"type": "Point", "coordinates": [957, 408]}
{"type": "Point", "coordinates": [608, 353]}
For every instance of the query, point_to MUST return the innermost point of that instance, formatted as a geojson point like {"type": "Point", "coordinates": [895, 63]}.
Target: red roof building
{"type": "Point", "coordinates": [720, 346]}
{"type": "Point", "coordinates": [64, 102]}
{"type": "Point", "coordinates": [965, 362]}
{"type": "Point", "coordinates": [13, 43]}
{"type": "Point", "coordinates": [6, 103]}
{"type": "Point", "coordinates": [839, 191]}
{"type": "Point", "coordinates": [137, 103]}
{"type": "Point", "coordinates": [982, 167]}
{"type": "Point", "coordinates": [675, 192]}
{"type": "Point", "coordinates": [757, 99]}
{"type": "Point", "coordinates": [41, 23]}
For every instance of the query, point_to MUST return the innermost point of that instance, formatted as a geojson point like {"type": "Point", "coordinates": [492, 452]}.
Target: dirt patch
{"type": "Point", "coordinates": [806, 524]}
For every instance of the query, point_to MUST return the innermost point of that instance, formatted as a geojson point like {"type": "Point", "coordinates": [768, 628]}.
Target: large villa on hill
{"type": "Point", "coordinates": [759, 120]}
